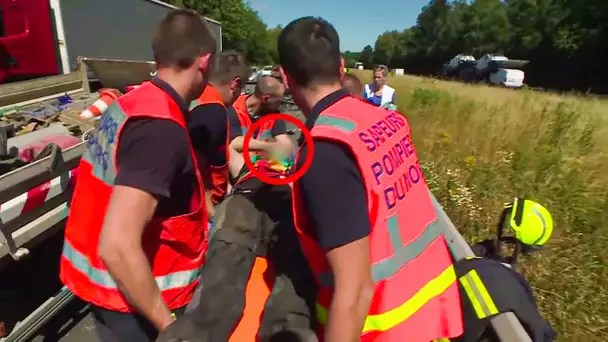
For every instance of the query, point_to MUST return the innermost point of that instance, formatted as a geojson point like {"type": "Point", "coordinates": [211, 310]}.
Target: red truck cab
{"type": "Point", "coordinates": [28, 44]}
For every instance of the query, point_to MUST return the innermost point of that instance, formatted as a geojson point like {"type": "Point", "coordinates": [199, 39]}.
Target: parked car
{"type": "Point", "coordinates": [254, 75]}
{"type": "Point", "coordinates": [266, 71]}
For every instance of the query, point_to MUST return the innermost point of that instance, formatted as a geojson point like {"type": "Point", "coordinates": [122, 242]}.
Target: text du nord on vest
{"type": "Point", "coordinates": [399, 159]}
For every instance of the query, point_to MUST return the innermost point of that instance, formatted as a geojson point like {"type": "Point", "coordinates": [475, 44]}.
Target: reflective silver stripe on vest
{"type": "Point", "coordinates": [402, 254]}
{"type": "Point", "coordinates": [194, 104]}
{"type": "Point", "coordinates": [103, 279]}
{"type": "Point", "coordinates": [341, 124]}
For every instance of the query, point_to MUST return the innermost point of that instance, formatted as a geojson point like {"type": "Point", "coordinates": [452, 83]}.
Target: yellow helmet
{"type": "Point", "coordinates": [532, 223]}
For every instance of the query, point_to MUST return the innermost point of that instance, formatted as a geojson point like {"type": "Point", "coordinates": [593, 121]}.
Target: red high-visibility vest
{"type": "Point", "coordinates": [219, 175]}
{"type": "Point", "coordinates": [175, 246]}
{"type": "Point", "coordinates": [416, 296]}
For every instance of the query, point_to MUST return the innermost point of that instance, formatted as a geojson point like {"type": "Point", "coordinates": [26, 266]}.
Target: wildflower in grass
{"type": "Point", "coordinates": [470, 161]}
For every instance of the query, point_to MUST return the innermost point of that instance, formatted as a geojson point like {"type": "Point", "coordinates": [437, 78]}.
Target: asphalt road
{"type": "Point", "coordinates": [27, 284]}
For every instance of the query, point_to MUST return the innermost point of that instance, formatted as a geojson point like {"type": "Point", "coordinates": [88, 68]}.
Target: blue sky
{"type": "Point", "coordinates": [359, 22]}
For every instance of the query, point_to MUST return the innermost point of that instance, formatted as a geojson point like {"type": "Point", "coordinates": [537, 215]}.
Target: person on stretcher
{"type": "Point", "coordinates": [256, 284]}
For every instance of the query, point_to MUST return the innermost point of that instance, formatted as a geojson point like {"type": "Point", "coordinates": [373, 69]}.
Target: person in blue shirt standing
{"type": "Point", "coordinates": [378, 92]}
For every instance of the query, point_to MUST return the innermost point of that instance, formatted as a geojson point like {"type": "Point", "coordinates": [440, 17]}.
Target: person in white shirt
{"type": "Point", "coordinates": [378, 92]}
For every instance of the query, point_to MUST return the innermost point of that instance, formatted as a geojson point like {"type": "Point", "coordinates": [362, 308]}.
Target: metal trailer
{"type": "Point", "coordinates": [111, 29]}
{"type": "Point", "coordinates": [48, 187]}
{"type": "Point", "coordinates": [49, 182]}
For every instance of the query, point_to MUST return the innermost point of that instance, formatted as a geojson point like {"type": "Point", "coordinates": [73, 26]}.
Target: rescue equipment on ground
{"type": "Point", "coordinates": [532, 223]}
{"type": "Point", "coordinates": [489, 282]}
{"type": "Point", "coordinates": [525, 226]}
{"type": "Point", "coordinates": [489, 288]}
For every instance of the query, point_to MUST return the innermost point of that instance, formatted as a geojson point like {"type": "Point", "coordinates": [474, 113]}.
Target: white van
{"type": "Point", "coordinates": [511, 78]}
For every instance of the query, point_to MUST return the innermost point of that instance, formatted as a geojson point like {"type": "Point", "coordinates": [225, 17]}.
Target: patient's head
{"type": "Point", "coordinates": [352, 85]}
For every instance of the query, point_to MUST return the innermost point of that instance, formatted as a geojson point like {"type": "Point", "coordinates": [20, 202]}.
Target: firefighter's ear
{"type": "Point", "coordinates": [203, 61]}
{"type": "Point", "coordinates": [236, 83]}
{"type": "Point", "coordinates": [284, 76]}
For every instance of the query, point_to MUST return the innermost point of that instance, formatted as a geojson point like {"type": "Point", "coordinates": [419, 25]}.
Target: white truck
{"type": "Point", "coordinates": [494, 69]}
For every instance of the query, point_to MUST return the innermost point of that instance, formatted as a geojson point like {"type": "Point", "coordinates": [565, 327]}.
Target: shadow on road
{"type": "Point", "coordinates": [68, 325]}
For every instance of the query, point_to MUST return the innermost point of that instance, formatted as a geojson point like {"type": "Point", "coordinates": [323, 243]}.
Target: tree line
{"type": "Point", "coordinates": [566, 41]}
{"type": "Point", "coordinates": [242, 28]}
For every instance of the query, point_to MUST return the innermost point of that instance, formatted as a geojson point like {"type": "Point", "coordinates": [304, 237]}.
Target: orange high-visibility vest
{"type": "Point", "coordinates": [240, 107]}
{"type": "Point", "coordinates": [175, 246]}
{"type": "Point", "coordinates": [416, 296]}
{"type": "Point", "coordinates": [219, 175]}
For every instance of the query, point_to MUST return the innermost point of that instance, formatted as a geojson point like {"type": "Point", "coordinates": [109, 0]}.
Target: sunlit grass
{"type": "Point", "coordinates": [482, 146]}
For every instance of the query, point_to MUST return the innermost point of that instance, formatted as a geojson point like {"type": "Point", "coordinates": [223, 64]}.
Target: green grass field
{"type": "Point", "coordinates": [482, 146]}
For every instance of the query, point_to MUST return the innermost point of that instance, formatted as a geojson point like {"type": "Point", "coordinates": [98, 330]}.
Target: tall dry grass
{"type": "Point", "coordinates": [482, 146]}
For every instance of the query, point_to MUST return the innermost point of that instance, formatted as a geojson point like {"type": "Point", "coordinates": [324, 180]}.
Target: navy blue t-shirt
{"type": "Point", "coordinates": [333, 191]}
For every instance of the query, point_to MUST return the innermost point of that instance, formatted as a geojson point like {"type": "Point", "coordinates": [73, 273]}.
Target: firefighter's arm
{"type": "Point", "coordinates": [254, 144]}
{"type": "Point", "coordinates": [128, 213]}
{"type": "Point", "coordinates": [353, 290]}
{"type": "Point", "coordinates": [148, 167]}
{"type": "Point", "coordinates": [284, 144]}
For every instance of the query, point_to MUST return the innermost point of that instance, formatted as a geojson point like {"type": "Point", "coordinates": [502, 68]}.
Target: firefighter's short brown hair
{"type": "Point", "coordinates": [309, 52]}
{"type": "Point", "coordinates": [180, 38]}
{"type": "Point", "coordinates": [227, 65]}
{"type": "Point", "coordinates": [352, 85]}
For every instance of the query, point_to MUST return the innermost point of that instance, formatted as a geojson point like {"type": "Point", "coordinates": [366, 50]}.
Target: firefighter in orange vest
{"type": "Point", "coordinates": [135, 238]}
{"type": "Point", "coordinates": [211, 127]}
{"type": "Point", "coordinates": [363, 211]}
